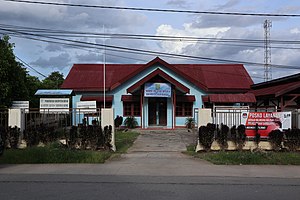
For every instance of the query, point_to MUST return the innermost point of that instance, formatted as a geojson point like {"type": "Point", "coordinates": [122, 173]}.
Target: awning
{"type": "Point", "coordinates": [53, 92]}
{"type": "Point", "coordinates": [186, 98]}
{"type": "Point", "coordinates": [108, 98]}
{"type": "Point", "coordinates": [130, 98]}
{"type": "Point", "coordinates": [229, 98]}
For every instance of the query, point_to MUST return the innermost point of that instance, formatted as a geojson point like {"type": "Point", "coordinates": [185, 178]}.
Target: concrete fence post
{"type": "Point", "coordinates": [16, 117]}
{"type": "Point", "coordinates": [107, 118]}
{"type": "Point", "coordinates": [204, 116]}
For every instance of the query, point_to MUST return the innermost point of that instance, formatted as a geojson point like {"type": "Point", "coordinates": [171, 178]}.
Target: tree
{"type": "Point", "coordinates": [53, 81]}
{"type": "Point", "coordinates": [16, 83]}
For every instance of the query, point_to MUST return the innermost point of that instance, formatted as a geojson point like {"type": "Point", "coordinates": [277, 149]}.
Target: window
{"type": "Point", "coordinates": [184, 109]}
{"type": "Point", "coordinates": [131, 109]}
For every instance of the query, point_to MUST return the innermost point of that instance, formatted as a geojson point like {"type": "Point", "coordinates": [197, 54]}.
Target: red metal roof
{"type": "Point", "coordinates": [208, 77]}
{"type": "Point", "coordinates": [108, 98]}
{"type": "Point", "coordinates": [277, 87]}
{"type": "Point", "coordinates": [218, 77]}
{"type": "Point", "coordinates": [89, 77]}
{"type": "Point", "coordinates": [229, 98]}
{"type": "Point", "coordinates": [276, 90]}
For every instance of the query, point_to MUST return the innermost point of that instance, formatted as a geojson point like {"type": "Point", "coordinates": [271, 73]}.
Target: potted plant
{"type": "Point", "coordinates": [130, 122]}
{"type": "Point", "coordinates": [190, 123]}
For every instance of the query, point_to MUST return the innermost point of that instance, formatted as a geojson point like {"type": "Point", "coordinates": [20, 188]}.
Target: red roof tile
{"type": "Point", "coordinates": [208, 77]}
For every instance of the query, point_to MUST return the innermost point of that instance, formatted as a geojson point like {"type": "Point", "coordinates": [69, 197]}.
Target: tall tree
{"type": "Point", "coordinates": [53, 81]}
{"type": "Point", "coordinates": [15, 82]}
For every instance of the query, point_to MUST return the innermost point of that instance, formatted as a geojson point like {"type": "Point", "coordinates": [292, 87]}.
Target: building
{"type": "Point", "coordinates": [159, 94]}
{"type": "Point", "coordinates": [280, 94]}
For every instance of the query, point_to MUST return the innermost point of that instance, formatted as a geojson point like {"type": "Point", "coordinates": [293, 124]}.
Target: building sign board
{"type": "Point", "coordinates": [54, 104]}
{"type": "Point", "coordinates": [157, 90]}
{"type": "Point", "coordinates": [86, 106]}
{"type": "Point", "coordinates": [266, 121]}
{"type": "Point", "coordinates": [20, 105]}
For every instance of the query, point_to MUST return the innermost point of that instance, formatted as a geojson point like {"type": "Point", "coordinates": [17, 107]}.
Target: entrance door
{"type": "Point", "coordinates": [157, 111]}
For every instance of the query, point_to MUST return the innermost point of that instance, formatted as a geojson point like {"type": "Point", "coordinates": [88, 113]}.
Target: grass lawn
{"type": "Point", "coordinates": [54, 153]}
{"type": "Point", "coordinates": [247, 157]}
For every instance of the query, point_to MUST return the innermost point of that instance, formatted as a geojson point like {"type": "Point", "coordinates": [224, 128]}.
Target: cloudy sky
{"type": "Point", "coordinates": [47, 56]}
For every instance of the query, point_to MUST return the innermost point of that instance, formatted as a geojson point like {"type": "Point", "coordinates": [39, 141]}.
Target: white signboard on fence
{"type": "Point", "coordinates": [54, 105]}
{"type": "Point", "coordinates": [20, 105]}
{"type": "Point", "coordinates": [86, 106]}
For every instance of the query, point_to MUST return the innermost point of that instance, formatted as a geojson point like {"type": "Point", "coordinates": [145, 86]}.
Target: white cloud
{"type": "Point", "coordinates": [295, 31]}
{"type": "Point", "coordinates": [188, 30]}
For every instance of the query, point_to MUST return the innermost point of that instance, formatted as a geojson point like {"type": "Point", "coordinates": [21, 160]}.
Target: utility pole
{"type": "Point", "coordinates": [104, 61]}
{"type": "Point", "coordinates": [267, 53]}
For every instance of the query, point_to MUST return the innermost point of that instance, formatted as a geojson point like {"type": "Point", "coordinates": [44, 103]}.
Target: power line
{"type": "Point", "coordinates": [204, 40]}
{"type": "Point", "coordinates": [149, 52]}
{"type": "Point", "coordinates": [83, 47]}
{"type": "Point", "coordinates": [30, 67]}
{"type": "Point", "coordinates": [156, 9]}
{"type": "Point", "coordinates": [57, 32]}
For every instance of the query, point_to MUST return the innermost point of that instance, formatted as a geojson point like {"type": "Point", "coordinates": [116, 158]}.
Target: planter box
{"type": "Point", "coordinates": [249, 145]}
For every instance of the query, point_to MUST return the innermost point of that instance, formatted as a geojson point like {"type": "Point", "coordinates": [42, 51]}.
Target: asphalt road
{"type": "Point", "coordinates": [21, 186]}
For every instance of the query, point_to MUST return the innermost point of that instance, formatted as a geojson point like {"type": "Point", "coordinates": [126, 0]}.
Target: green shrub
{"type": "Point", "coordinates": [206, 135]}
{"type": "Point", "coordinates": [13, 136]}
{"type": "Point", "coordinates": [292, 139]}
{"type": "Point", "coordinates": [118, 121]}
{"type": "Point", "coordinates": [275, 138]}
{"type": "Point", "coordinates": [222, 136]}
{"type": "Point", "coordinates": [238, 136]}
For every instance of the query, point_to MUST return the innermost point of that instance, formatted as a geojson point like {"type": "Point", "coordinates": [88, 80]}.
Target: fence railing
{"type": "Point", "coordinates": [228, 115]}
{"type": "Point", "coordinates": [59, 119]}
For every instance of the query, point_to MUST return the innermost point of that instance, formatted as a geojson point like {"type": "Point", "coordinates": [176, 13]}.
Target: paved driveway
{"type": "Point", "coordinates": [163, 141]}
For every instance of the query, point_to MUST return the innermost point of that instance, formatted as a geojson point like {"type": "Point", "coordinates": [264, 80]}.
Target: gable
{"type": "Point", "coordinates": [158, 72]}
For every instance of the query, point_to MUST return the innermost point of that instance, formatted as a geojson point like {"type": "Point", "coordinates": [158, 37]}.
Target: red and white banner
{"type": "Point", "coordinates": [266, 121]}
